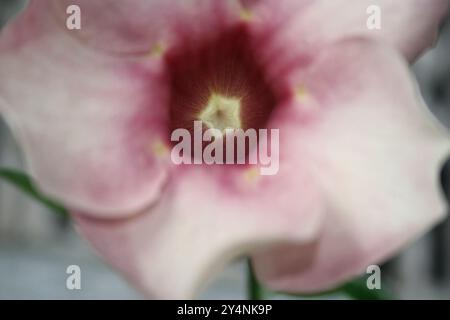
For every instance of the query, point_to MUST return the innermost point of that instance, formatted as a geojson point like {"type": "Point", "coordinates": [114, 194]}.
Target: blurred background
{"type": "Point", "coordinates": [37, 246]}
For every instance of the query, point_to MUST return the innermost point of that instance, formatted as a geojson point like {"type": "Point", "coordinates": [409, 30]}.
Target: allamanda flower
{"type": "Point", "coordinates": [359, 154]}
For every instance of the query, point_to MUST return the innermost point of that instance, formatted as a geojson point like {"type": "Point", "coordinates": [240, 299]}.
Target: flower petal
{"type": "Point", "coordinates": [91, 126]}
{"type": "Point", "coordinates": [378, 155]}
{"type": "Point", "coordinates": [143, 26]}
{"type": "Point", "coordinates": [408, 25]}
{"type": "Point", "coordinates": [204, 219]}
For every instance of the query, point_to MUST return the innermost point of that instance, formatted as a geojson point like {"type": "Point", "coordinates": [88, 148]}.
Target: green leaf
{"type": "Point", "coordinates": [25, 184]}
{"type": "Point", "coordinates": [357, 289]}
{"type": "Point", "coordinates": [254, 289]}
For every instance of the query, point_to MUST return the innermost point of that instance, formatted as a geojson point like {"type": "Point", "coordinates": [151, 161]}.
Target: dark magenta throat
{"type": "Point", "coordinates": [220, 82]}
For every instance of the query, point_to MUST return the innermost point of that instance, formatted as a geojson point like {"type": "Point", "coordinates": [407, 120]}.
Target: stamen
{"type": "Point", "coordinates": [160, 149]}
{"type": "Point", "coordinates": [157, 50]}
{"type": "Point", "coordinates": [301, 93]}
{"type": "Point", "coordinates": [305, 99]}
{"type": "Point", "coordinates": [251, 175]}
{"type": "Point", "coordinates": [246, 15]}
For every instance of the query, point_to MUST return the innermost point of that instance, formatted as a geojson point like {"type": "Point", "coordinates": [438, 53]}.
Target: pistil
{"type": "Point", "coordinates": [222, 112]}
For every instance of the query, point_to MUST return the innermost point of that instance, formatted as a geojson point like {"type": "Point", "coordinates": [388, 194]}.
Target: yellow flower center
{"type": "Point", "coordinates": [222, 113]}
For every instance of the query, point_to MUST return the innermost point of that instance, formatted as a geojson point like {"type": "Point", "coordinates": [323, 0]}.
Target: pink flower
{"type": "Point", "coordinates": [359, 153]}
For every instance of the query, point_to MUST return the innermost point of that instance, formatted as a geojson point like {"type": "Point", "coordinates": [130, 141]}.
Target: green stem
{"type": "Point", "coordinates": [254, 289]}
{"type": "Point", "coordinates": [24, 183]}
